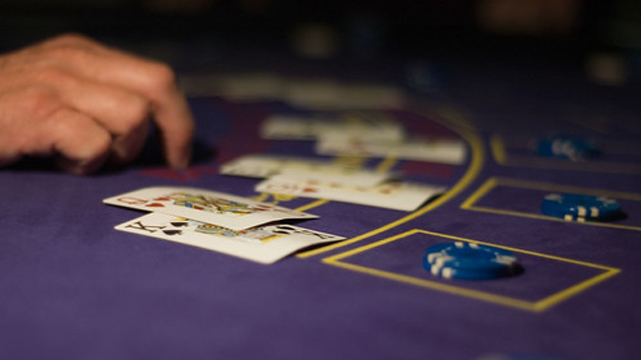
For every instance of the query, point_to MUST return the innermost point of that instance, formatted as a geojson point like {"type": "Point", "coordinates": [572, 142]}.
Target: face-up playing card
{"type": "Point", "coordinates": [217, 208]}
{"type": "Point", "coordinates": [327, 94]}
{"type": "Point", "coordinates": [373, 126]}
{"type": "Point", "coordinates": [264, 166]}
{"type": "Point", "coordinates": [433, 150]}
{"type": "Point", "coordinates": [264, 244]}
{"type": "Point", "coordinates": [391, 195]}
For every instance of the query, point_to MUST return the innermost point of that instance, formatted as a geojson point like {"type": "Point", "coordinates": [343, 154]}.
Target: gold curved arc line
{"type": "Point", "coordinates": [477, 154]}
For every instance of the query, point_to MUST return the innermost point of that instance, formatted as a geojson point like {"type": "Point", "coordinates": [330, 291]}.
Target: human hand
{"type": "Point", "coordinates": [85, 104]}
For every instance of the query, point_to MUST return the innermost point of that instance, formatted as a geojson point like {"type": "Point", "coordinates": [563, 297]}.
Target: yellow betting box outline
{"type": "Point", "coordinates": [456, 122]}
{"type": "Point", "coordinates": [532, 306]}
{"type": "Point", "coordinates": [494, 182]}
{"type": "Point", "coordinates": [497, 145]}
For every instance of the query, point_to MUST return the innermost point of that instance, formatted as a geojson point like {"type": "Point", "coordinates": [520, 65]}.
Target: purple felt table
{"type": "Point", "coordinates": [72, 287]}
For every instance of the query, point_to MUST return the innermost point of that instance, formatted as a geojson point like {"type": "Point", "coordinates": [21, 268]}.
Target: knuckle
{"type": "Point", "coordinates": [99, 145]}
{"type": "Point", "coordinates": [39, 101]}
{"type": "Point", "coordinates": [137, 110]}
{"type": "Point", "coordinates": [135, 116]}
{"type": "Point", "coordinates": [92, 145]}
{"type": "Point", "coordinates": [162, 75]}
{"type": "Point", "coordinates": [55, 75]}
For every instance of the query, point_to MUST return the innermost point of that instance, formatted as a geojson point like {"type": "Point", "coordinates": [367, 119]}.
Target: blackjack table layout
{"type": "Point", "coordinates": [73, 287]}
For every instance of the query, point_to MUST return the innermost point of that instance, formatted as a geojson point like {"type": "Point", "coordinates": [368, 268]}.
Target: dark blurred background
{"type": "Point", "coordinates": [563, 30]}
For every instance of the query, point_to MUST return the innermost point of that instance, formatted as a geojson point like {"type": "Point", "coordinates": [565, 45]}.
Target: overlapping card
{"type": "Point", "coordinates": [396, 195]}
{"type": "Point", "coordinates": [364, 134]}
{"type": "Point", "coordinates": [266, 166]}
{"type": "Point", "coordinates": [218, 221]}
{"type": "Point", "coordinates": [357, 125]}
{"type": "Point", "coordinates": [354, 134]}
{"type": "Point", "coordinates": [265, 244]}
{"type": "Point", "coordinates": [445, 151]}
{"type": "Point", "coordinates": [313, 178]}
{"type": "Point", "coordinates": [310, 93]}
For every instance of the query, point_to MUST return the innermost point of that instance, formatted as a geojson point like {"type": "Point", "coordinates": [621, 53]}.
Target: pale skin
{"type": "Point", "coordinates": [86, 104]}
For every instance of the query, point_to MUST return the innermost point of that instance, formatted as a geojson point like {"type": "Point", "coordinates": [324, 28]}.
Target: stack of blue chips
{"type": "Point", "coordinates": [469, 261]}
{"type": "Point", "coordinates": [570, 147]}
{"type": "Point", "coordinates": [581, 208]}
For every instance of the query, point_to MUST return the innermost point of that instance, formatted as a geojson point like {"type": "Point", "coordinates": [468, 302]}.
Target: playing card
{"type": "Point", "coordinates": [313, 93]}
{"type": "Point", "coordinates": [327, 94]}
{"type": "Point", "coordinates": [392, 194]}
{"type": "Point", "coordinates": [371, 96]}
{"type": "Point", "coordinates": [346, 126]}
{"type": "Point", "coordinates": [264, 244]}
{"type": "Point", "coordinates": [239, 87]}
{"type": "Point", "coordinates": [212, 207]}
{"type": "Point", "coordinates": [253, 87]}
{"type": "Point", "coordinates": [431, 150]}
{"type": "Point", "coordinates": [264, 166]}
{"type": "Point", "coordinates": [291, 127]}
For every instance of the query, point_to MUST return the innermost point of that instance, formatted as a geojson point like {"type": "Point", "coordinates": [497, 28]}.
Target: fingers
{"type": "Point", "coordinates": [153, 81]}
{"type": "Point", "coordinates": [124, 114]}
{"type": "Point", "coordinates": [114, 93]}
{"type": "Point", "coordinates": [37, 123]}
{"type": "Point", "coordinates": [78, 157]}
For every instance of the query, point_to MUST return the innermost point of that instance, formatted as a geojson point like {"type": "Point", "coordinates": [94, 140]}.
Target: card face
{"type": "Point", "coordinates": [313, 93]}
{"type": "Point", "coordinates": [264, 166]}
{"type": "Point", "coordinates": [233, 212]}
{"type": "Point", "coordinates": [357, 125]}
{"type": "Point", "coordinates": [437, 150]}
{"type": "Point", "coordinates": [286, 127]}
{"type": "Point", "coordinates": [253, 87]}
{"type": "Point", "coordinates": [327, 94]}
{"type": "Point", "coordinates": [310, 93]}
{"type": "Point", "coordinates": [391, 195]}
{"type": "Point", "coordinates": [237, 87]}
{"type": "Point", "coordinates": [263, 244]}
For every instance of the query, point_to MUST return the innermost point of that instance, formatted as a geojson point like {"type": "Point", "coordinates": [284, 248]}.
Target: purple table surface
{"type": "Point", "coordinates": [72, 287]}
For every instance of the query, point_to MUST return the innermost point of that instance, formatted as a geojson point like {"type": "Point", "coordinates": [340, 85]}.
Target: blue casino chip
{"type": "Point", "coordinates": [575, 148]}
{"type": "Point", "coordinates": [577, 207]}
{"type": "Point", "coordinates": [469, 261]}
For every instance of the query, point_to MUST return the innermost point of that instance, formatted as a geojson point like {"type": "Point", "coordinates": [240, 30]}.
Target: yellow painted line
{"type": "Point", "coordinates": [384, 166]}
{"type": "Point", "coordinates": [479, 295]}
{"type": "Point", "coordinates": [350, 160]}
{"type": "Point", "coordinates": [262, 197]}
{"type": "Point", "coordinates": [455, 117]}
{"type": "Point", "coordinates": [458, 238]}
{"type": "Point", "coordinates": [552, 300]}
{"type": "Point", "coordinates": [312, 205]}
{"type": "Point", "coordinates": [537, 306]}
{"type": "Point", "coordinates": [387, 164]}
{"type": "Point", "coordinates": [535, 185]}
{"type": "Point", "coordinates": [493, 182]}
{"type": "Point", "coordinates": [550, 218]}
{"type": "Point", "coordinates": [554, 164]}
{"type": "Point", "coordinates": [498, 149]}
{"type": "Point", "coordinates": [499, 152]}
{"type": "Point", "coordinates": [478, 194]}
{"type": "Point", "coordinates": [477, 154]}
{"type": "Point", "coordinates": [370, 246]}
